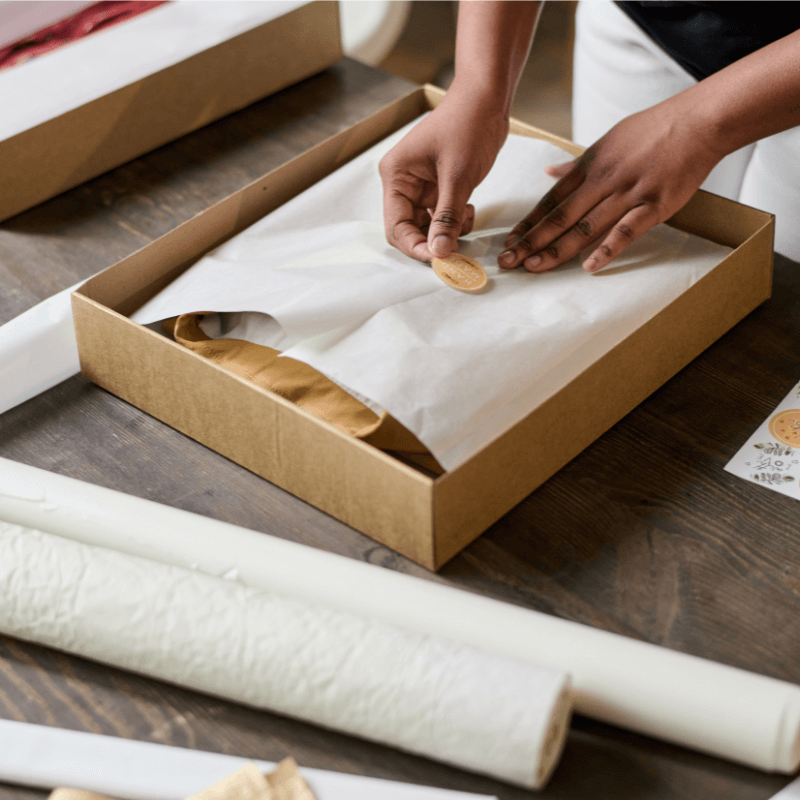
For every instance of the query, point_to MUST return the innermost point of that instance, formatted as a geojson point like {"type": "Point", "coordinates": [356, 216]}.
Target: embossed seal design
{"type": "Point", "coordinates": [461, 272]}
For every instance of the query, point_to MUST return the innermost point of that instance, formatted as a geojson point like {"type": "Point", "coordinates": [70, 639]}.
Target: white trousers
{"type": "Point", "coordinates": [619, 70]}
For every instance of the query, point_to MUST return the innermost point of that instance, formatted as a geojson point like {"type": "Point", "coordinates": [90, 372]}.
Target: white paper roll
{"type": "Point", "coordinates": [424, 694]}
{"type": "Point", "coordinates": [44, 757]}
{"type": "Point", "coordinates": [38, 350]}
{"type": "Point", "coordinates": [697, 703]}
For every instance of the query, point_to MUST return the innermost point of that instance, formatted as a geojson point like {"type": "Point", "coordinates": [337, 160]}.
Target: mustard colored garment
{"type": "Point", "coordinates": [300, 384]}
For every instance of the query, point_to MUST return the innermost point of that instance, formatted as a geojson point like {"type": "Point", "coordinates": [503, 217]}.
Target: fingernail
{"type": "Point", "coordinates": [591, 265]}
{"type": "Point", "coordinates": [506, 258]}
{"type": "Point", "coordinates": [532, 262]}
{"type": "Point", "coordinates": [440, 246]}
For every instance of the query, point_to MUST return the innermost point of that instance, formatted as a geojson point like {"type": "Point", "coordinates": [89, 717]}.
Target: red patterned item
{"type": "Point", "coordinates": [90, 20]}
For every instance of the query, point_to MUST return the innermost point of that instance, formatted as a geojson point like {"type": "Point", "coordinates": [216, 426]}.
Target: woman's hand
{"type": "Point", "coordinates": [429, 176]}
{"type": "Point", "coordinates": [640, 173]}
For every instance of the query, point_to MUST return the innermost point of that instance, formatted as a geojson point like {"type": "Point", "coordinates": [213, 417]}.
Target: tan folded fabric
{"type": "Point", "coordinates": [299, 383]}
{"type": "Point", "coordinates": [247, 783]}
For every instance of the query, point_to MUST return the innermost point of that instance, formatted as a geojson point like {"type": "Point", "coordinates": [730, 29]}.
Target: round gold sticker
{"type": "Point", "coordinates": [785, 427]}
{"type": "Point", "coordinates": [460, 272]}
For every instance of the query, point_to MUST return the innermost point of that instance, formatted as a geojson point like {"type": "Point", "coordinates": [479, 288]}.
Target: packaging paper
{"type": "Point", "coordinates": [697, 703]}
{"type": "Point", "coordinates": [771, 456]}
{"type": "Point", "coordinates": [45, 88]}
{"type": "Point", "coordinates": [424, 694]}
{"type": "Point", "coordinates": [456, 369]}
{"type": "Point", "coordinates": [42, 757]}
{"type": "Point", "coordinates": [38, 350]}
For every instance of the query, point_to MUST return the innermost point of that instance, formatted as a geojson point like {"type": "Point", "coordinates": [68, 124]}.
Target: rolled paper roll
{"type": "Point", "coordinates": [38, 350]}
{"type": "Point", "coordinates": [424, 694]}
{"type": "Point", "coordinates": [711, 707]}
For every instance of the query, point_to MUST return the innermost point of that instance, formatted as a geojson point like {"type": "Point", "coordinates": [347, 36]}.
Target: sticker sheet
{"type": "Point", "coordinates": [771, 456]}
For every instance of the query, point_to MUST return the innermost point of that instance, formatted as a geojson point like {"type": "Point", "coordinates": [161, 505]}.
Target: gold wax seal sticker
{"type": "Point", "coordinates": [460, 272]}
{"type": "Point", "coordinates": [785, 427]}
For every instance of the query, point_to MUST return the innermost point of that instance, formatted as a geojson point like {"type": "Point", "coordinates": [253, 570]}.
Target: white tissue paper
{"type": "Point", "coordinates": [456, 369]}
{"type": "Point", "coordinates": [424, 694]}
{"type": "Point", "coordinates": [46, 758]}
{"type": "Point", "coordinates": [711, 707]}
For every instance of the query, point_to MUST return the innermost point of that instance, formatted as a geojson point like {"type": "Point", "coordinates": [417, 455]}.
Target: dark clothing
{"type": "Point", "coordinates": [706, 37]}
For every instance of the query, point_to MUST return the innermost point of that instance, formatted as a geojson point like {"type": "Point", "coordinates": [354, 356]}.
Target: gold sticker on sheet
{"type": "Point", "coordinates": [460, 272]}
{"type": "Point", "coordinates": [785, 427]}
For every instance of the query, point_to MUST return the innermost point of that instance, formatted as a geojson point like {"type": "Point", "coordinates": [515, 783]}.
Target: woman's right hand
{"type": "Point", "coordinates": [429, 176]}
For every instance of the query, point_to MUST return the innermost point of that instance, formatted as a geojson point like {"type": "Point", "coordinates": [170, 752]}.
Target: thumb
{"type": "Point", "coordinates": [449, 216]}
{"type": "Point", "coordinates": [559, 170]}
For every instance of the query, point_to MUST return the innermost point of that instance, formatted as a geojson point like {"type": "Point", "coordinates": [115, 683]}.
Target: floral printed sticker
{"type": "Point", "coordinates": [771, 456]}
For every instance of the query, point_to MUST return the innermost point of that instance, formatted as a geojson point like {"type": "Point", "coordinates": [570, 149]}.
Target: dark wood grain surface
{"type": "Point", "coordinates": [643, 534]}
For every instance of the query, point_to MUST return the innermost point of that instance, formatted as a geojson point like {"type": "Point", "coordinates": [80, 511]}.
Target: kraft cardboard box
{"type": "Point", "coordinates": [426, 517]}
{"type": "Point", "coordinates": [71, 148]}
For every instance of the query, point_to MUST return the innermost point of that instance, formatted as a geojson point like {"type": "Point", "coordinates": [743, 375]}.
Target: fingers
{"type": "Point", "coordinates": [450, 216]}
{"type": "Point", "coordinates": [548, 209]}
{"type": "Point", "coordinates": [610, 223]}
{"type": "Point", "coordinates": [629, 228]}
{"type": "Point", "coordinates": [469, 220]}
{"type": "Point", "coordinates": [558, 171]}
{"type": "Point", "coordinates": [587, 230]}
{"type": "Point", "coordinates": [404, 222]}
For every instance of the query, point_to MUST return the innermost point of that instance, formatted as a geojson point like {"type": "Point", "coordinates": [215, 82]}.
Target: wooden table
{"type": "Point", "coordinates": [643, 534]}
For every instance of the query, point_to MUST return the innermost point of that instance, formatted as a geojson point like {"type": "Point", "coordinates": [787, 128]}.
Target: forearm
{"type": "Point", "coordinates": [492, 45]}
{"type": "Point", "coordinates": [757, 96]}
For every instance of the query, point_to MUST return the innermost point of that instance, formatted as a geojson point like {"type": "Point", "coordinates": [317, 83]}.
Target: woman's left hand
{"type": "Point", "coordinates": [640, 173]}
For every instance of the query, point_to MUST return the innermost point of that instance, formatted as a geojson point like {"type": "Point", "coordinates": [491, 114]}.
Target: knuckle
{"type": "Point", "coordinates": [624, 230]}
{"type": "Point", "coordinates": [605, 250]}
{"type": "Point", "coordinates": [548, 203]}
{"type": "Point", "coordinates": [557, 217]}
{"type": "Point", "coordinates": [584, 227]}
{"type": "Point", "coordinates": [447, 218]}
{"type": "Point", "coordinates": [524, 245]}
{"type": "Point", "coordinates": [551, 250]}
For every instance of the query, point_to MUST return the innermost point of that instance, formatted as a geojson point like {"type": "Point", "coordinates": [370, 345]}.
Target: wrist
{"type": "Point", "coordinates": [479, 96]}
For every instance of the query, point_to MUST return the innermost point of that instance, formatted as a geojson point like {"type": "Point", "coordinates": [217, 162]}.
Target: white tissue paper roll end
{"type": "Point", "coordinates": [787, 755]}
{"type": "Point", "coordinates": [424, 694]}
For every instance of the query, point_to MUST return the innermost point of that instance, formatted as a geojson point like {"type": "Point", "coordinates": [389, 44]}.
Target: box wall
{"type": "Point", "coordinates": [352, 481]}
{"type": "Point", "coordinates": [59, 154]}
{"type": "Point", "coordinates": [472, 497]}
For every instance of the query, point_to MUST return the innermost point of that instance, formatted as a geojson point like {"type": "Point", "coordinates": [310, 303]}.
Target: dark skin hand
{"type": "Point", "coordinates": [625, 183]}
{"type": "Point", "coordinates": [640, 173]}
{"type": "Point", "coordinates": [429, 176]}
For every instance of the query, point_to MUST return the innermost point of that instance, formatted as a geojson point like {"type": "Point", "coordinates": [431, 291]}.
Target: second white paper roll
{"type": "Point", "coordinates": [711, 707]}
{"type": "Point", "coordinates": [424, 694]}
